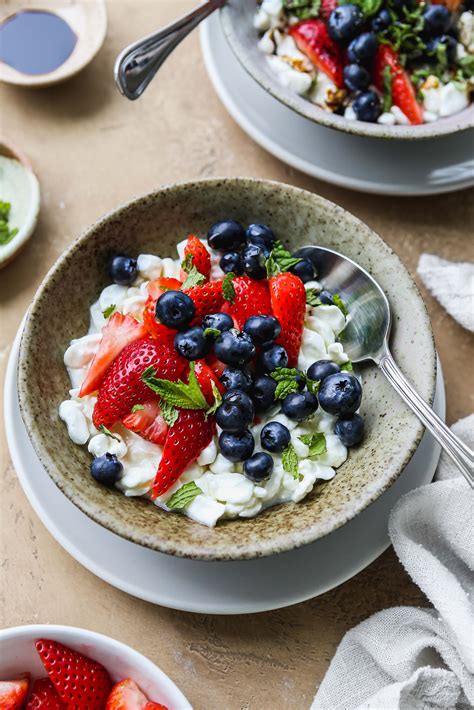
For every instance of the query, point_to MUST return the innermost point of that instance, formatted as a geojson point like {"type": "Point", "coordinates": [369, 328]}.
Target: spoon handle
{"type": "Point", "coordinates": [462, 456]}
{"type": "Point", "coordinates": [138, 63]}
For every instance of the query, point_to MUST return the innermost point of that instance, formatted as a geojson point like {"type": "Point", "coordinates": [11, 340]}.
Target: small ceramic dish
{"type": "Point", "coordinates": [18, 655]}
{"type": "Point", "coordinates": [237, 23]}
{"type": "Point", "coordinates": [86, 18]}
{"type": "Point", "coordinates": [18, 186]}
{"type": "Point", "coordinates": [154, 224]}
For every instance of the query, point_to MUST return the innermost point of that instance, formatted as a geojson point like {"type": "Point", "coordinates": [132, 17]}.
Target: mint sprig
{"type": "Point", "coordinates": [169, 413]}
{"type": "Point", "coordinates": [315, 442]}
{"type": "Point", "coordinates": [178, 394]}
{"type": "Point", "coordinates": [109, 310]}
{"type": "Point", "coordinates": [228, 290]}
{"type": "Point", "coordinates": [280, 260]}
{"type": "Point", "coordinates": [368, 7]}
{"type": "Point", "coordinates": [183, 496]}
{"type": "Point", "coordinates": [211, 332]}
{"type": "Point", "coordinates": [6, 234]}
{"type": "Point", "coordinates": [103, 430]}
{"type": "Point", "coordinates": [347, 367]}
{"type": "Point", "coordinates": [302, 9]}
{"type": "Point", "coordinates": [285, 377]}
{"type": "Point", "coordinates": [312, 298]}
{"type": "Point", "coordinates": [217, 399]}
{"type": "Point", "coordinates": [289, 460]}
{"type": "Point", "coordinates": [337, 300]}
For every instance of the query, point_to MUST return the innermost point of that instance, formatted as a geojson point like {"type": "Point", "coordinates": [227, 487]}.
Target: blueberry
{"type": "Point", "coordinates": [304, 269]}
{"type": "Point", "coordinates": [299, 406]}
{"type": "Point", "coordinates": [300, 382]}
{"type": "Point", "coordinates": [218, 321]}
{"type": "Point", "coordinates": [234, 348]}
{"type": "Point", "coordinates": [263, 392]}
{"type": "Point", "coordinates": [356, 78]}
{"type": "Point", "coordinates": [227, 235]}
{"type": "Point", "coordinates": [340, 394]}
{"type": "Point", "coordinates": [191, 344]}
{"type": "Point", "coordinates": [449, 43]}
{"type": "Point", "coordinates": [259, 468]}
{"type": "Point", "coordinates": [254, 261]}
{"type": "Point", "coordinates": [236, 411]}
{"type": "Point", "coordinates": [382, 21]}
{"type": "Point", "coordinates": [362, 49]}
{"type": "Point", "coordinates": [232, 261]}
{"type": "Point", "coordinates": [321, 369]}
{"type": "Point", "coordinates": [350, 430]}
{"type": "Point", "coordinates": [275, 437]}
{"type": "Point", "coordinates": [262, 329]}
{"type": "Point", "coordinates": [175, 309]}
{"type": "Point", "coordinates": [437, 19]}
{"type": "Point", "coordinates": [236, 379]}
{"type": "Point", "coordinates": [367, 107]}
{"type": "Point", "coordinates": [273, 357]}
{"type": "Point", "coordinates": [106, 469]}
{"type": "Point", "coordinates": [344, 23]}
{"type": "Point", "coordinates": [238, 446]}
{"type": "Point", "coordinates": [326, 298]}
{"type": "Point", "coordinates": [262, 236]}
{"type": "Point", "coordinates": [123, 270]}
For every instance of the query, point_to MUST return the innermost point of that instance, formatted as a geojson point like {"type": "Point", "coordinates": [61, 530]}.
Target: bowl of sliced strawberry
{"type": "Point", "coordinates": [198, 399]}
{"type": "Point", "coordinates": [47, 667]}
{"type": "Point", "coordinates": [380, 68]}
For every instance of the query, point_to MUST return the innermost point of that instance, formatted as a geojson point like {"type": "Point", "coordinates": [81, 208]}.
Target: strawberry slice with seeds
{"type": "Point", "coordinates": [252, 298]}
{"type": "Point", "coordinates": [208, 298]}
{"type": "Point", "coordinates": [312, 38]}
{"type": "Point", "coordinates": [148, 422]}
{"type": "Point", "coordinates": [403, 91]}
{"type": "Point", "coordinates": [13, 693]}
{"type": "Point", "coordinates": [79, 681]}
{"type": "Point", "coordinates": [44, 696]}
{"type": "Point", "coordinates": [119, 332]}
{"type": "Point", "coordinates": [206, 377]}
{"type": "Point", "coordinates": [191, 433]}
{"type": "Point", "coordinates": [123, 387]}
{"type": "Point", "coordinates": [126, 695]}
{"type": "Point", "coordinates": [288, 297]}
{"type": "Point", "coordinates": [201, 258]}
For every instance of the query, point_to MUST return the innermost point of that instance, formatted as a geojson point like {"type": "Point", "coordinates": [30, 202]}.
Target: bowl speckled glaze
{"type": "Point", "coordinates": [237, 23]}
{"type": "Point", "coordinates": [154, 224]}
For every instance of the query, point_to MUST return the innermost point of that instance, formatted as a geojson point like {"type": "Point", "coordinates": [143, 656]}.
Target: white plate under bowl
{"type": "Point", "coordinates": [380, 166]}
{"type": "Point", "coordinates": [241, 587]}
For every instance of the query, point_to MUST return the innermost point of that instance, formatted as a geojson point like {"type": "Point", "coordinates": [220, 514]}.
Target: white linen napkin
{"type": "Point", "coordinates": [452, 283]}
{"type": "Point", "coordinates": [408, 658]}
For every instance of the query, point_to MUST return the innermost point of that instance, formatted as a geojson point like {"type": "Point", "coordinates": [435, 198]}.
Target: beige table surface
{"type": "Point", "coordinates": [93, 150]}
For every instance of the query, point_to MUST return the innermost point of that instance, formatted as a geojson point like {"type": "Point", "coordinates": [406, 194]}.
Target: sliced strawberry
{"type": "Point", "coordinates": [207, 298]}
{"type": "Point", "coordinates": [288, 298]}
{"type": "Point", "coordinates": [13, 693]}
{"type": "Point", "coordinates": [154, 706]}
{"type": "Point", "coordinates": [201, 258]}
{"type": "Point", "coordinates": [79, 681]}
{"type": "Point", "coordinates": [326, 7]}
{"type": "Point", "coordinates": [162, 284]}
{"type": "Point", "coordinates": [44, 696]}
{"type": "Point", "coordinates": [312, 38]}
{"type": "Point", "coordinates": [205, 377]}
{"type": "Point", "coordinates": [148, 422]}
{"type": "Point", "coordinates": [126, 695]}
{"type": "Point", "coordinates": [216, 365]}
{"type": "Point", "coordinates": [119, 332]}
{"type": "Point", "coordinates": [403, 91]}
{"type": "Point", "coordinates": [191, 433]}
{"type": "Point", "coordinates": [122, 386]}
{"type": "Point", "coordinates": [252, 298]}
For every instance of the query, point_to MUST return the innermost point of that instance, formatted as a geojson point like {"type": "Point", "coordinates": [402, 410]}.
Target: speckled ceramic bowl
{"type": "Point", "coordinates": [154, 224]}
{"type": "Point", "coordinates": [237, 23]}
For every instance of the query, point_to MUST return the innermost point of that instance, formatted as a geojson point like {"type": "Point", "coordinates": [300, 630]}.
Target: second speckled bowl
{"type": "Point", "coordinates": [154, 224]}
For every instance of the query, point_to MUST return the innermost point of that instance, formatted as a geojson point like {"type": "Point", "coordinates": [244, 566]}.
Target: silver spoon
{"type": "Point", "coordinates": [138, 63]}
{"type": "Point", "coordinates": [366, 335]}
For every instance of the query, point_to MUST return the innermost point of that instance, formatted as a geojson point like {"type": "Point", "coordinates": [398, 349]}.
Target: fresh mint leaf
{"type": "Point", "coordinates": [283, 373]}
{"type": "Point", "coordinates": [109, 310]}
{"type": "Point", "coordinates": [194, 278]}
{"type": "Point", "coordinates": [347, 367]}
{"type": "Point", "coordinates": [467, 65]}
{"type": "Point", "coordinates": [169, 413]}
{"type": "Point", "coordinates": [103, 429]}
{"type": "Point", "coordinates": [5, 208]}
{"type": "Point", "coordinates": [217, 399]}
{"type": "Point", "coordinates": [178, 394]}
{"type": "Point", "coordinates": [271, 267]}
{"type": "Point", "coordinates": [286, 379]}
{"type": "Point", "coordinates": [312, 297]}
{"type": "Point", "coordinates": [187, 263]}
{"type": "Point", "coordinates": [368, 7]}
{"type": "Point", "coordinates": [289, 460]}
{"type": "Point", "coordinates": [184, 496]}
{"type": "Point", "coordinates": [137, 408]}
{"type": "Point", "coordinates": [313, 385]}
{"type": "Point", "coordinates": [337, 300]}
{"type": "Point", "coordinates": [280, 259]}
{"type": "Point", "coordinates": [302, 9]}
{"type": "Point", "coordinates": [228, 290]}
{"type": "Point", "coordinates": [315, 442]}
{"type": "Point", "coordinates": [211, 332]}
{"type": "Point", "coordinates": [284, 388]}
{"type": "Point", "coordinates": [6, 234]}
{"type": "Point", "coordinates": [387, 89]}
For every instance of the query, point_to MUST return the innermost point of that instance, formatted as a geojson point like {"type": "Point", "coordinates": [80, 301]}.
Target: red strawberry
{"type": "Point", "coordinates": [208, 298]}
{"type": "Point", "coordinates": [155, 289]}
{"type": "Point", "coordinates": [252, 298]}
{"type": "Point", "coordinates": [205, 377]}
{"type": "Point", "coordinates": [216, 365]}
{"type": "Point", "coordinates": [82, 683]}
{"type": "Point", "coordinates": [117, 334]}
{"type": "Point", "coordinates": [452, 5]}
{"type": "Point", "coordinates": [126, 695]}
{"type": "Point", "coordinates": [288, 298]}
{"type": "Point", "coordinates": [148, 422]}
{"type": "Point", "coordinates": [162, 284]}
{"type": "Point", "coordinates": [201, 257]}
{"type": "Point", "coordinates": [403, 91]}
{"type": "Point", "coordinates": [154, 706]}
{"type": "Point", "coordinates": [13, 693]}
{"type": "Point", "coordinates": [44, 696]}
{"type": "Point", "coordinates": [122, 386]}
{"type": "Point", "coordinates": [191, 433]}
{"type": "Point", "coordinates": [311, 37]}
{"type": "Point", "coordinates": [327, 6]}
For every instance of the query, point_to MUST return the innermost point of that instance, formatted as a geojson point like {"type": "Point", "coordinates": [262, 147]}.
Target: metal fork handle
{"type": "Point", "coordinates": [138, 63]}
{"type": "Point", "coordinates": [462, 456]}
